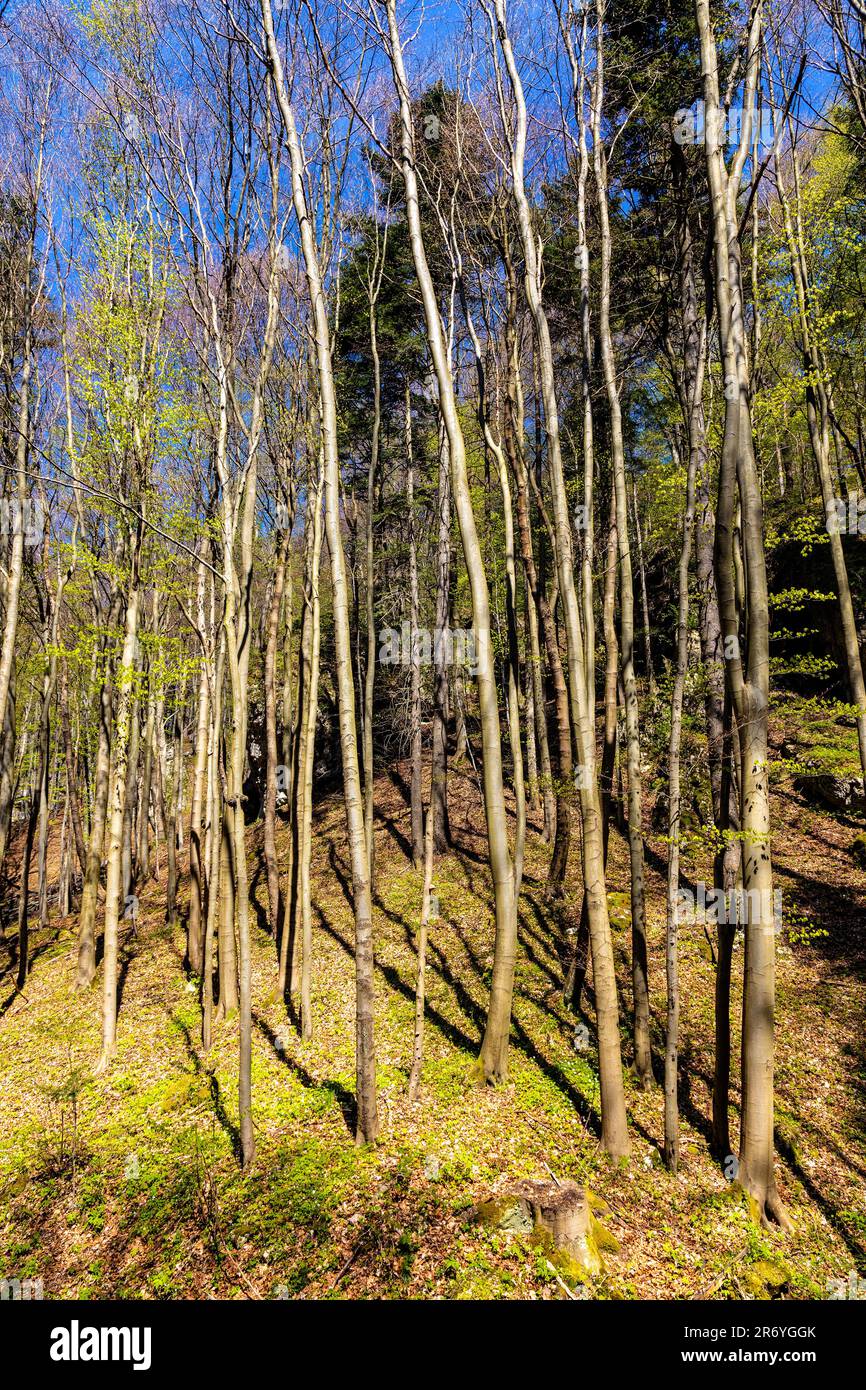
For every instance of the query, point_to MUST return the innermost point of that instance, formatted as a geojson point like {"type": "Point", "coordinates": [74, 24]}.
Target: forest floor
{"type": "Point", "coordinates": [129, 1186]}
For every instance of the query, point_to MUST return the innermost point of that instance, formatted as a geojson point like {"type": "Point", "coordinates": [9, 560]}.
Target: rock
{"type": "Point", "coordinates": [559, 1217]}
{"type": "Point", "coordinates": [839, 793]}
{"type": "Point", "coordinates": [766, 1280]}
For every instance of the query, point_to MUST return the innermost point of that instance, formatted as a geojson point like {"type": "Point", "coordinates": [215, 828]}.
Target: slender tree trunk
{"type": "Point", "coordinates": [561, 815]}
{"type": "Point", "coordinates": [87, 919]}
{"type": "Point", "coordinates": [694, 422]}
{"type": "Point", "coordinates": [614, 1127]}
{"type": "Point", "coordinates": [44, 799]}
{"type": "Point", "coordinates": [15, 570]}
{"type": "Point", "coordinates": [416, 808]}
{"type": "Point", "coordinates": [71, 769]}
{"type": "Point", "coordinates": [7, 773]}
{"type": "Point", "coordinates": [197, 858]}
{"type": "Point", "coordinates": [369, 596]}
{"type": "Point", "coordinates": [24, 891]}
{"type": "Point", "coordinates": [439, 790]}
{"type": "Point", "coordinates": [365, 1057]}
{"type": "Point", "coordinates": [533, 794]}
{"type": "Point", "coordinates": [176, 812]}
{"type": "Point", "coordinates": [48, 684]}
{"type": "Point", "coordinates": [64, 884]}
{"type": "Point", "coordinates": [310, 708]}
{"type": "Point", "coordinates": [125, 702]}
{"type": "Point", "coordinates": [723, 784]}
{"type": "Point", "coordinates": [275, 899]}
{"type": "Point", "coordinates": [143, 851]}
{"type": "Point", "coordinates": [640, 982]}
{"type": "Point", "coordinates": [494, 450]}
{"type": "Point", "coordinates": [647, 645]}
{"type": "Point", "coordinates": [215, 819]}
{"type": "Point", "coordinates": [494, 1048]}
{"type": "Point", "coordinates": [226, 906]}
{"type": "Point", "coordinates": [418, 1043]}
{"type": "Point", "coordinates": [576, 974]}
{"type": "Point", "coordinates": [287, 714]}
{"type": "Point", "coordinates": [127, 874]}
{"type": "Point", "coordinates": [747, 679]}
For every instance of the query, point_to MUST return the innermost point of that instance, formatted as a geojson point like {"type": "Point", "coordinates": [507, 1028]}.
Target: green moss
{"type": "Point", "coordinates": [476, 1072]}
{"type": "Point", "coordinates": [601, 1237]}
{"type": "Point", "coordinates": [597, 1204]}
{"type": "Point", "coordinates": [182, 1092]}
{"type": "Point", "coordinates": [619, 909]}
{"type": "Point", "coordinates": [765, 1279]}
{"type": "Point", "coordinates": [503, 1213]}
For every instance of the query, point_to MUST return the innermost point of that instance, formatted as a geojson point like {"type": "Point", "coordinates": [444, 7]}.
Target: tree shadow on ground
{"type": "Point", "coordinates": [345, 1099]}
{"type": "Point", "coordinates": [223, 1119]}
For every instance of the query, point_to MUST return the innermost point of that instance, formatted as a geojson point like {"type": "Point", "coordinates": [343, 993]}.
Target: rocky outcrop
{"type": "Point", "coordinates": [838, 793]}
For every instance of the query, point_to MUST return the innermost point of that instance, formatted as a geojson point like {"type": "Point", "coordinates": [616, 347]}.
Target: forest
{"type": "Point", "coordinates": [432, 703]}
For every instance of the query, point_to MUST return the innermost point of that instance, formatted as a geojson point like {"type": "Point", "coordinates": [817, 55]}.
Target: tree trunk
{"type": "Point", "coordinates": [640, 983]}
{"type": "Point", "coordinates": [310, 708]}
{"type": "Point", "coordinates": [272, 869]}
{"type": "Point", "coordinates": [125, 702]}
{"type": "Point", "coordinates": [197, 860]}
{"type": "Point", "coordinates": [416, 808]}
{"type": "Point", "coordinates": [561, 813]}
{"type": "Point", "coordinates": [369, 597]}
{"type": "Point", "coordinates": [215, 822]}
{"type": "Point", "coordinates": [143, 850]}
{"type": "Point", "coordinates": [647, 645]}
{"type": "Point", "coordinates": [439, 789]}
{"type": "Point", "coordinates": [494, 1048]}
{"type": "Point", "coordinates": [747, 680]}
{"type": "Point", "coordinates": [7, 773]}
{"type": "Point", "coordinates": [576, 974]}
{"type": "Point", "coordinates": [87, 918]}
{"type": "Point", "coordinates": [71, 770]}
{"type": "Point", "coordinates": [694, 423]}
{"type": "Point", "coordinates": [367, 1127]}
{"type": "Point", "coordinates": [614, 1128]}
{"type": "Point", "coordinates": [418, 1042]}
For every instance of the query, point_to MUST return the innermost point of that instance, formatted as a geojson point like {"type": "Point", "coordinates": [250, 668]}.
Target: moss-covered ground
{"type": "Point", "coordinates": [129, 1185]}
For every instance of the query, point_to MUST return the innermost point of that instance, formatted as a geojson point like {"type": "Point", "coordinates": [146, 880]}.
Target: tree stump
{"type": "Point", "coordinates": [557, 1216]}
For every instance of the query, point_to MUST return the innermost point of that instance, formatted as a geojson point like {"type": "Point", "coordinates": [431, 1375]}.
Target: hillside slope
{"type": "Point", "coordinates": [129, 1186]}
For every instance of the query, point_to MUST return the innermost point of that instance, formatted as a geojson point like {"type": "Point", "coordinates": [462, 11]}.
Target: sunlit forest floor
{"type": "Point", "coordinates": [129, 1186]}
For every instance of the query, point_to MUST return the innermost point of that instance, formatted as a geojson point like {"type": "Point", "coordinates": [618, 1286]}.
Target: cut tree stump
{"type": "Point", "coordinates": [560, 1217]}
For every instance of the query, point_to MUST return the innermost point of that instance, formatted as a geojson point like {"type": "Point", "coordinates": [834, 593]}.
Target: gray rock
{"type": "Point", "coordinates": [839, 793]}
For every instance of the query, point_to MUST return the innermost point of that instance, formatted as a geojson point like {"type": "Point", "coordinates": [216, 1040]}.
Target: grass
{"type": "Point", "coordinates": [129, 1186]}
